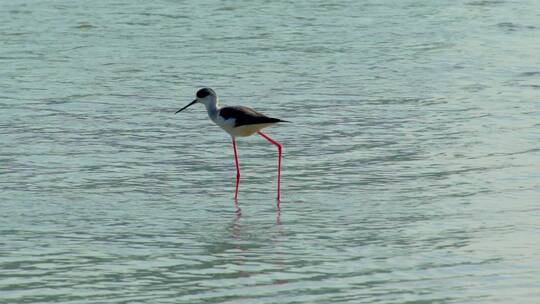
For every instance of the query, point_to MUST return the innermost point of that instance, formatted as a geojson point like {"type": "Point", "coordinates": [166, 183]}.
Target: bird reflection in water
{"type": "Point", "coordinates": [236, 227]}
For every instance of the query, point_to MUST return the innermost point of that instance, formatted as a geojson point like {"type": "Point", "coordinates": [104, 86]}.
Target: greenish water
{"type": "Point", "coordinates": [411, 169]}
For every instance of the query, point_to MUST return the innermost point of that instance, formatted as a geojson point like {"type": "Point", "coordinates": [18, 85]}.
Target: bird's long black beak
{"type": "Point", "coordinates": [190, 104]}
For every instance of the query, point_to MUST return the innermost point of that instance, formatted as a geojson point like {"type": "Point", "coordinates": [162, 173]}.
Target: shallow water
{"type": "Point", "coordinates": [411, 167]}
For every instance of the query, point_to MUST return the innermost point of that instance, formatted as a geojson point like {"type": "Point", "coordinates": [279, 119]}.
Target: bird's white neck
{"type": "Point", "coordinates": [212, 108]}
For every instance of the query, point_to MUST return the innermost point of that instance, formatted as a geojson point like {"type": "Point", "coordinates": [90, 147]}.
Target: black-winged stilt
{"type": "Point", "coordinates": [238, 121]}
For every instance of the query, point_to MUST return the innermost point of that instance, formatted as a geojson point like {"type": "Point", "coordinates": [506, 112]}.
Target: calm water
{"type": "Point", "coordinates": [411, 169]}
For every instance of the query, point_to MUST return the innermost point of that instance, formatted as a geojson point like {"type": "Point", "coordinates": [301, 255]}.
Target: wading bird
{"type": "Point", "coordinates": [238, 121]}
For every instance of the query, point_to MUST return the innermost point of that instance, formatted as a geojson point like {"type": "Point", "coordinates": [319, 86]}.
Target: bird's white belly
{"type": "Point", "coordinates": [248, 130]}
{"type": "Point", "coordinates": [241, 131]}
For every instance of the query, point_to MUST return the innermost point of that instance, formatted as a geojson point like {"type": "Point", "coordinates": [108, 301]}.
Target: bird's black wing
{"type": "Point", "coordinates": [245, 116]}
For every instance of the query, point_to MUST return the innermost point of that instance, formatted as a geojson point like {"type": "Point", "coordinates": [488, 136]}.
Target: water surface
{"type": "Point", "coordinates": [410, 170]}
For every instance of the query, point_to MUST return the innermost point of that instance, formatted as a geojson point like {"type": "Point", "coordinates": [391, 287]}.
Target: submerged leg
{"type": "Point", "coordinates": [280, 147]}
{"type": "Point", "coordinates": [237, 169]}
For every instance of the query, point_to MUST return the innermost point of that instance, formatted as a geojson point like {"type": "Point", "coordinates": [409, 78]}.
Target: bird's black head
{"type": "Point", "coordinates": [202, 93]}
{"type": "Point", "coordinates": [201, 98]}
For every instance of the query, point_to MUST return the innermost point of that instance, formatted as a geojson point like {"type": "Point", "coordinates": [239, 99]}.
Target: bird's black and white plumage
{"type": "Point", "coordinates": [246, 116]}
{"type": "Point", "coordinates": [238, 121]}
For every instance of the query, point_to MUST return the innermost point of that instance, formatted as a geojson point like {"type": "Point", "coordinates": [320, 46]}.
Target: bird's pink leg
{"type": "Point", "coordinates": [280, 147]}
{"type": "Point", "coordinates": [237, 169]}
